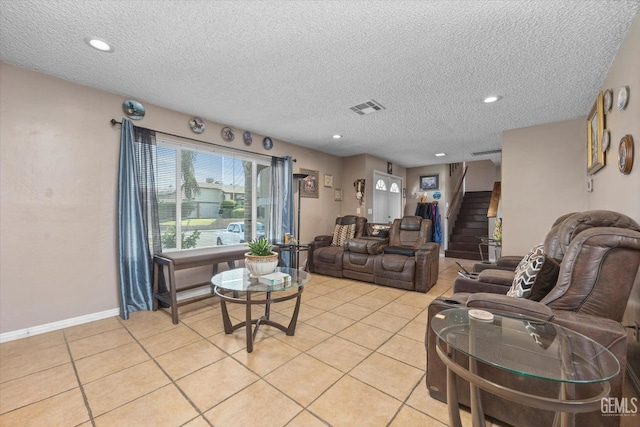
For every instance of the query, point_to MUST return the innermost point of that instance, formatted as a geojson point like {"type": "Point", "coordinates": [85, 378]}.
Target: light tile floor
{"type": "Point", "coordinates": [357, 358]}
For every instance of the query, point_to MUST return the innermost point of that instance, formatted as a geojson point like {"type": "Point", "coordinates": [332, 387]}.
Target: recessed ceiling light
{"type": "Point", "coordinates": [337, 136]}
{"type": "Point", "coordinates": [490, 99]}
{"type": "Point", "coordinates": [98, 44]}
{"type": "Point", "coordinates": [441, 154]}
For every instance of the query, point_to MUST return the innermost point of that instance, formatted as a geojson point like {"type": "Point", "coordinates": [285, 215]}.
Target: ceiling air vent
{"type": "Point", "coordinates": [367, 107]}
{"type": "Point", "coordinates": [483, 153]}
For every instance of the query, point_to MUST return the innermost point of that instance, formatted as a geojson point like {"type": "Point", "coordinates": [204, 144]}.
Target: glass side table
{"type": "Point", "coordinates": [294, 253]}
{"type": "Point", "coordinates": [522, 346]}
{"type": "Point", "coordinates": [237, 281]}
{"type": "Point", "coordinates": [489, 242]}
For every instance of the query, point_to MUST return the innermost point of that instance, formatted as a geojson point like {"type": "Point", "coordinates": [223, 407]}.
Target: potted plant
{"type": "Point", "coordinates": [260, 259]}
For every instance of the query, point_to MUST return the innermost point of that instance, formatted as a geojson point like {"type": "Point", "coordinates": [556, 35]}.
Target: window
{"type": "Point", "coordinates": [380, 185]}
{"type": "Point", "coordinates": [394, 188]}
{"type": "Point", "coordinates": [208, 197]}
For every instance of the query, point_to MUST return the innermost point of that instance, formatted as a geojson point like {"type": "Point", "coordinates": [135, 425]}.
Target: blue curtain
{"type": "Point", "coordinates": [281, 194]}
{"type": "Point", "coordinates": [133, 246]}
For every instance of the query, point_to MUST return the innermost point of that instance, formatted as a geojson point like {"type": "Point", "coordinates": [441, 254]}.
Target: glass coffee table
{"type": "Point", "coordinates": [526, 347]}
{"type": "Point", "coordinates": [235, 286]}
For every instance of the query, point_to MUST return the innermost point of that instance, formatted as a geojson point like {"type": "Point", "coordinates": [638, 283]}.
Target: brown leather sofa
{"type": "Point", "coordinates": [600, 255]}
{"type": "Point", "coordinates": [326, 259]}
{"type": "Point", "coordinates": [410, 261]}
{"type": "Point", "coordinates": [405, 260]}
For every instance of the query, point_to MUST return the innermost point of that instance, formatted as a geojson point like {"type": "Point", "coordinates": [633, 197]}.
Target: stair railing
{"type": "Point", "coordinates": [457, 195]}
{"type": "Point", "coordinates": [492, 212]}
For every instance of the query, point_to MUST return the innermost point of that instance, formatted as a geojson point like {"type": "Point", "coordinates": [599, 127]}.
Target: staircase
{"type": "Point", "coordinates": [472, 222]}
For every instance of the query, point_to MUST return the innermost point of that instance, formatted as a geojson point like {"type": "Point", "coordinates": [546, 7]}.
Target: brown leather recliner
{"type": "Point", "coordinates": [600, 253]}
{"type": "Point", "coordinates": [410, 261]}
{"type": "Point", "coordinates": [326, 259]}
{"type": "Point", "coordinates": [360, 253]}
{"type": "Point", "coordinates": [510, 262]}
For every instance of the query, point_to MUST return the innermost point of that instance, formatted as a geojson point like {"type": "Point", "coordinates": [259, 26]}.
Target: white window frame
{"type": "Point", "coordinates": [178, 146]}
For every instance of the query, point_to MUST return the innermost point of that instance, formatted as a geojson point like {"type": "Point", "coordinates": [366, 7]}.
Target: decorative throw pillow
{"type": "Point", "coordinates": [342, 233]}
{"type": "Point", "coordinates": [535, 276]}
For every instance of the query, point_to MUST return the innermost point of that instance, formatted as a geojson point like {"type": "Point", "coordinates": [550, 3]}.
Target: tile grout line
{"type": "Point", "coordinates": [80, 386]}
{"type": "Point", "coordinates": [171, 380]}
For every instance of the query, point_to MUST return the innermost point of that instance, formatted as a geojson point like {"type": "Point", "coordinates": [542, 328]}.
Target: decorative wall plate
{"type": "Point", "coordinates": [623, 97]}
{"type": "Point", "coordinates": [248, 139]}
{"type": "Point", "coordinates": [608, 100]}
{"type": "Point", "coordinates": [605, 140]}
{"type": "Point", "coordinates": [267, 143]}
{"type": "Point", "coordinates": [227, 134]}
{"type": "Point", "coordinates": [197, 125]}
{"type": "Point", "coordinates": [133, 109]}
{"type": "Point", "coordinates": [625, 154]}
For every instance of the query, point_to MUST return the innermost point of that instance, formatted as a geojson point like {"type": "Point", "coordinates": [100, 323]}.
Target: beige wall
{"type": "Point", "coordinates": [544, 167]}
{"type": "Point", "coordinates": [354, 168]}
{"type": "Point", "coordinates": [363, 166]}
{"type": "Point", "coordinates": [481, 175]}
{"type": "Point", "coordinates": [611, 189]}
{"type": "Point", "coordinates": [543, 177]}
{"type": "Point", "coordinates": [413, 186]}
{"type": "Point", "coordinates": [58, 166]}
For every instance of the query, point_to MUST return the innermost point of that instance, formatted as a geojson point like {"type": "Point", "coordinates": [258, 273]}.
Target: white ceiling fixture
{"type": "Point", "coordinates": [491, 99]}
{"type": "Point", "coordinates": [98, 44]}
{"type": "Point", "coordinates": [337, 136]}
{"type": "Point", "coordinates": [440, 154]}
{"type": "Point", "coordinates": [303, 64]}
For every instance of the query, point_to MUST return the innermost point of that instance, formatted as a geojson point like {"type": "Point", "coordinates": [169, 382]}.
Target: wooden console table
{"type": "Point", "coordinates": [181, 260]}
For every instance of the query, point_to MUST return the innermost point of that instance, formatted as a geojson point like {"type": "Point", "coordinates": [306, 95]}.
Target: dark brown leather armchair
{"type": "Point", "coordinates": [326, 259]}
{"type": "Point", "coordinates": [600, 254]}
{"type": "Point", "coordinates": [510, 262]}
{"type": "Point", "coordinates": [410, 261]}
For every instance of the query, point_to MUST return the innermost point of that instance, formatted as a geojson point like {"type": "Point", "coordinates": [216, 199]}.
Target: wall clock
{"type": "Point", "coordinates": [625, 154]}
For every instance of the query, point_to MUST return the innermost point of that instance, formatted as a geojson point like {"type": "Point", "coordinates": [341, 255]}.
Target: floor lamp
{"type": "Point", "coordinates": [299, 177]}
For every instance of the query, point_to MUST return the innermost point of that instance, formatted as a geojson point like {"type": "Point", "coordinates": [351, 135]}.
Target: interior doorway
{"type": "Point", "coordinates": [387, 197]}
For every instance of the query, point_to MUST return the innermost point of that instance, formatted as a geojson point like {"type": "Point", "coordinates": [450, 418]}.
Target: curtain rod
{"type": "Point", "coordinates": [115, 122]}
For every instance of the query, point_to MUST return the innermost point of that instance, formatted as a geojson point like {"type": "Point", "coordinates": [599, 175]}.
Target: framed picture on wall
{"type": "Point", "coordinates": [595, 130]}
{"type": "Point", "coordinates": [429, 182]}
{"type": "Point", "coordinates": [328, 180]}
{"type": "Point", "coordinates": [310, 184]}
{"type": "Point", "coordinates": [337, 194]}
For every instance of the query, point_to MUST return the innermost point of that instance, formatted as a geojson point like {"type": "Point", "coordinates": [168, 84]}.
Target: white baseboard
{"type": "Point", "coordinates": [54, 326]}
{"type": "Point", "coordinates": [61, 324]}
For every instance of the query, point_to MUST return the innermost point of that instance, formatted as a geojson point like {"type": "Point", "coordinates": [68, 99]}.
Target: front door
{"type": "Point", "coordinates": [387, 198]}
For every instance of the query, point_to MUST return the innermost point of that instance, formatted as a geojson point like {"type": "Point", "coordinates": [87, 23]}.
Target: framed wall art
{"type": "Point", "coordinates": [310, 184]}
{"type": "Point", "coordinates": [328, 180]}
{"type": "Point", "coordinates": [429, 182]}
{"type": "Point", "coordinates": [337, 194]}
{"type": "Point", "coordinates": [595, 130]}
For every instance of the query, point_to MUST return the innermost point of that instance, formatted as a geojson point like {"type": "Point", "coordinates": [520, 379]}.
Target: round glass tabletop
{"type": "Point", "coordinates": [526, 346]}
{"type": "Point", "coordinates": [238, 280]}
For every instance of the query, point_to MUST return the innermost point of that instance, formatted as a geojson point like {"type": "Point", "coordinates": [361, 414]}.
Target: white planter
{"type": "Point", "coordinates": [260, 265]}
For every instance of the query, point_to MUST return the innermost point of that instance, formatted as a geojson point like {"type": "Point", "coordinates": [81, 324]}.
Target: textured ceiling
{"type": "Point", "coordinates": [291, 70]}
